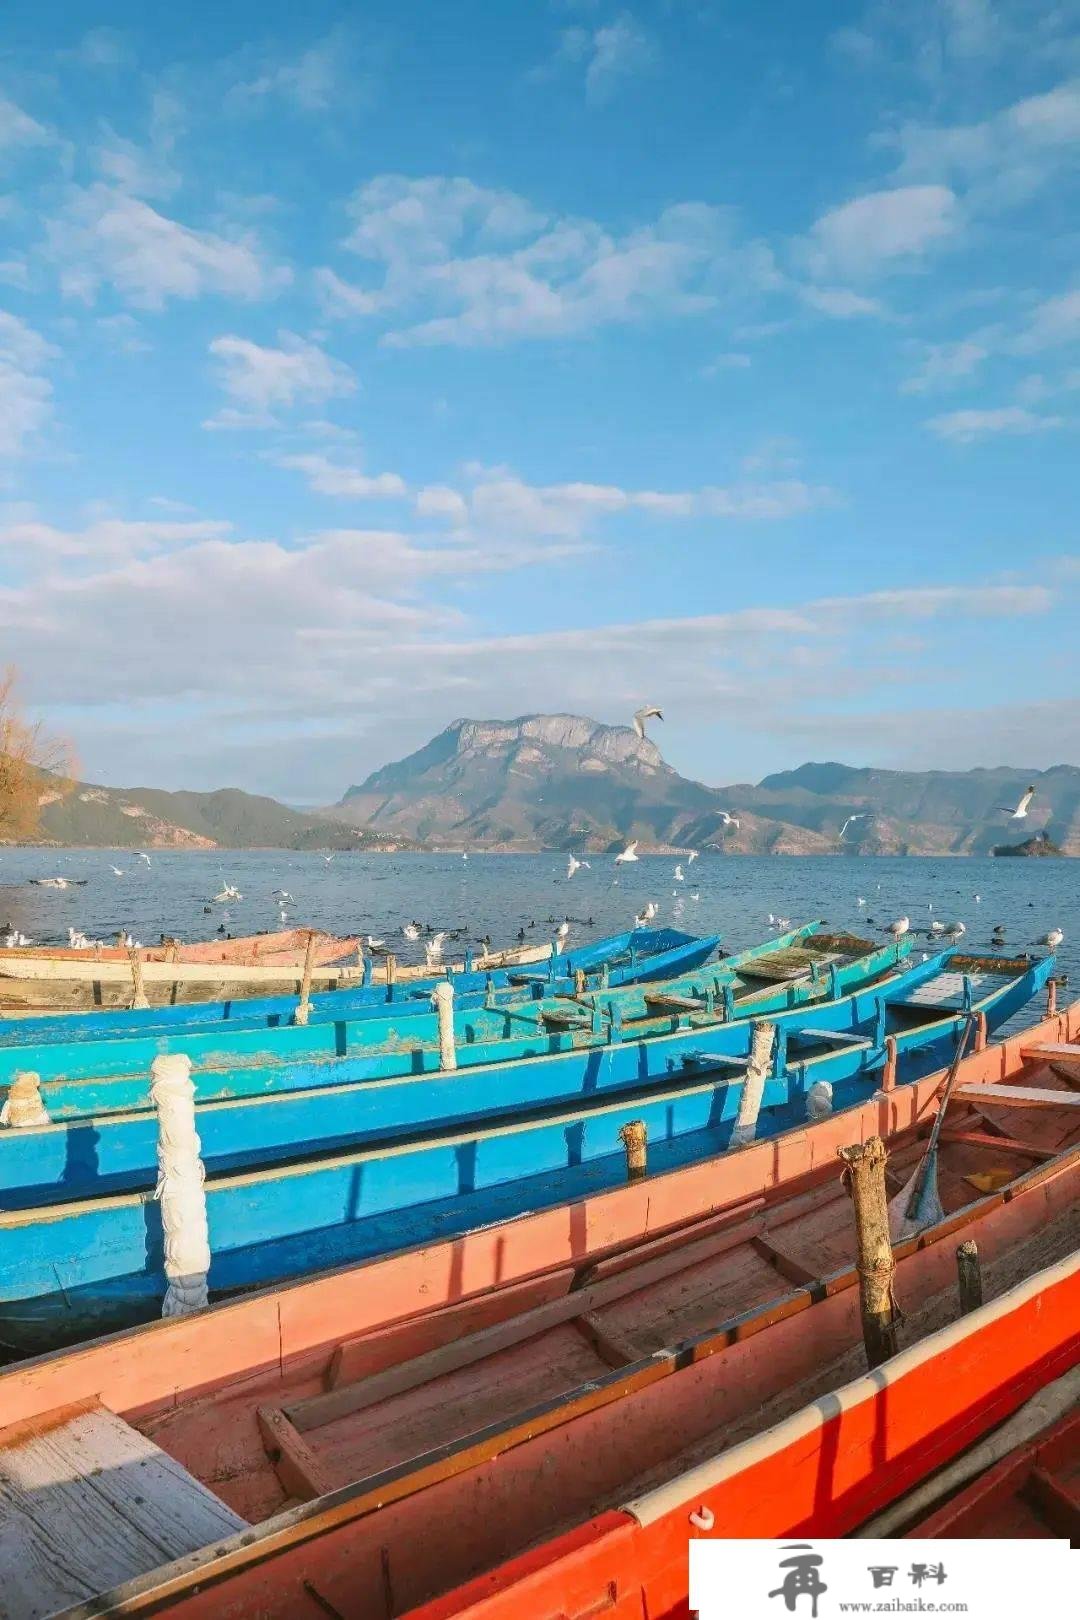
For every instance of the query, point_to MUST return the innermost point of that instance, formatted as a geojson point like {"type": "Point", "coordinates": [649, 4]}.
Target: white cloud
{"type": "Point", "coordinates": [733, 360]}
{"type": "Point", "coordinates": [327, 477]}
{"type": "Point", "coordinates": [944, 364]}
{"type": "Point", "coordinates": [1002, 159]}
{"type": "Point", "coordinates": [310, 81]}
{"type": "Point", "coordinates": [965, 427]}
{"type": "Point", "coordinates": [440, 501]}
{"type": "Point", "coordinates": [840, 302]}
{"type": "Point", "coordinates": [484, 267]}
{"type": "Point", "coordinates": [1053, 322]}
{"type": "Point", "coordinates": [619, 51]}
{"type": "Point", "coordinates": [25, 391]}
{"type": "Point", "coordinates": [260, 379]}
{"type": "Point", "coordinates": [102, 48]}
{"type": "Point", "coordinates": [104, 235]}
{"type": "Point", "coordinates": [17, 128]}
{"type": "Point", "coordinates": [105, 543]}
{"type": "Point", "coordinates": [882, 231]}
{"type": "Point", "coordinates": [340, 298]}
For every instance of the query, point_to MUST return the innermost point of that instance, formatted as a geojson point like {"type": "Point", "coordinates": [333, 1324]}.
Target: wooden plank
{"type": "Point", "coordinates": [786, 1264]}
{"type": "Point", "coordinates": [298, 1468]}
{"type": "Point", "coordinates": [336, 1403]}
{"type": "Point", "coordinates": [1016, 1096]}
{"type": "Point", "coordinates": [997, 1144]}
{"type": "Point", "coordinates": [674, 1003]}
{"type": "Point", "coordinates": [610, 1345]}
{"type": "Point", "coordinates": [87, 1502]}
{"type": "Point", "coordinates": [1059, 1051]}
{"type": "Point", "coordinates": [829, 1037]}
{"type": "Point", "coordinates": [1054, 1502]}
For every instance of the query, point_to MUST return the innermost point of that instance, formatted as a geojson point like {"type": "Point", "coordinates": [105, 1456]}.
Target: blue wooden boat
{"type": "Point", "coordinates": [638, 956]}
{"type": "Point", "coordinates": [373, 1098]}
{"type": "Point", "coordinates": [807, 964]}
{"type": "Point", "coordinates": [69, 1270]}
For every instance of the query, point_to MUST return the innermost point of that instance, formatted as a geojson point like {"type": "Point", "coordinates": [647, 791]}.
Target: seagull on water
{"type": "Point", "coordinates": [640, 718]}
{"type": "Point", "coordinates": [898, 928]}
{"type": "Point", "coordinates": [1022, 808]}
{"type": "Point", "coordinates": [572, 865]}
{"type": "Point", "coordinates": [629, 854]}
{"type": "Point", "coordinates": [645, 917]}
{"type": "Point", "coordinates": [679, 877]}
{"type": "Point", "coordinates": [860, 901]}
{"type": "Point", "coordinates": [1051, 940]}
{"type": "Point", "coordinates": [936, 928]}
{"type": "Point", "coordinates": [695, 894]}
{"type": "Point", "coordinates": [375, 944]}
{"type": "Point", "coordinates": [860, 817]}
{"type": "Point", "coordinates": [228, 892]}
{"type": "Point", "coordinates": [411, 930]}
{"type": "Point", "coordinates": [563, 929]}
{"type": "Point", "coordinates": [433, 948]}
{"type": "Point", "coordinates": [117, 871]}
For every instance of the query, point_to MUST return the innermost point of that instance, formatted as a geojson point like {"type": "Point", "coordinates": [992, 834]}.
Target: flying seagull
{"type": "Point", "coordinates": [411, 930]}
{"type": "Point", "coordinates": [143, 857]}
{"type": "Point", "coordinates": [572, 865]}
{"type": "Point", "coordinates": [640, 718]}
{"type": "Point", "coordinates": [1022, 808]}
{"type": "Point", "coordinates": [860, 817]}
{"type": "Point", "coordinates": [692, 857]}
{"type": "Point", "coordinates": [679, 874]}
{"type": "Point", "coordinates": [629, 854]}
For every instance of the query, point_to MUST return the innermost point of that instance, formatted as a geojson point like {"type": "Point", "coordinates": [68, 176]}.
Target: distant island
{"type": "Point", "coordinates": [1037, 846]}
{"type": "Point", "coordinates": [566, 782]}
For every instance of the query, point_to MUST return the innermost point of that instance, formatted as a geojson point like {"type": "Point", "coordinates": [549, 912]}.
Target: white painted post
{"type": "Point", "coordinates": [762, 1037]}
{"type": "Point", "coordinates": [442, 998]}
{"type": "Point", "coordinates": [303, 1010]}
{"type": "Point", "coordinates": [24, 1106]}
{"type": "Point", "coordinates": [179, 1187]}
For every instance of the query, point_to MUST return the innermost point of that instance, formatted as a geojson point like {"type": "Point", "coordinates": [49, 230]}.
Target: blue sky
{"type": "Point", "coordinates": [366, 366]}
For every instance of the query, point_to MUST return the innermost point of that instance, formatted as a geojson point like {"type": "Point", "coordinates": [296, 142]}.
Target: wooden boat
{"type": "Point", "coordinates": [624, 958]}
{"type": "Point", "coordinates": [372, 1438]}
{"type": "Point", "coordinates": [758, 980]}
{"type": "Point", "coordinates": [284, 947]}
{"type": "Point", "coordinates": [286, 1110]}
{"type": "Point", "coordinates": [68, 1269]}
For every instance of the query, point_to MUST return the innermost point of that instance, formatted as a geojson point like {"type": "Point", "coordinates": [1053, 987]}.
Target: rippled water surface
{"type": "Point", "coordinates": [501, 895]}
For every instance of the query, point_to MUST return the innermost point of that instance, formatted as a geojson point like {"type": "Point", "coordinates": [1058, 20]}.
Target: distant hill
{"type": "Point", "coordinates": [226, 819]}
{"type": "Point", "coordinates": [561, 781]}
{"type": "Point", "coordinates": [552, 781]}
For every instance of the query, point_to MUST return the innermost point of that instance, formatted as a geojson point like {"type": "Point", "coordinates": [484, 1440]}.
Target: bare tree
{"type": "Point", "coordinates": [32, 765]}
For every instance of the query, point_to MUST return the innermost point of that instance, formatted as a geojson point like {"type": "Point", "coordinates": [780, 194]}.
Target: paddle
{"type": "Point", "coordinates": [917, 1203]}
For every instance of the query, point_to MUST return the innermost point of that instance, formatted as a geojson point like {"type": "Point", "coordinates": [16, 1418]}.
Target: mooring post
{"type": "Point", "coordinates": [980, 1032]}
{"type": "Point", "coordinates": [303, 1011]}
{"type": "Point", "coordinates": [634, 1139]}
{"type": "Point", "coordinates": [580, 981]}
{"type": "Point", "coordinates": [888, 1074]}
{"type": "Point", "coordinates": [442, 998]}
{"type": "Point", "coordinates": [1051, 998]}
{"type": "Point", "coordinates": [864, 1177]}
{"type": "Point", "coordinates": [23, 1106]}
{"type": "Point", "coordinates": [138, 998]}
{"type": "Point", "coordinates": [390, 967]}
{"type": "Point", "coordinates": [179, 1189]}
{"type": "Point", "coordinates": [762, 1035]}
{"type": "Point", "coordinates": [969, 1276]}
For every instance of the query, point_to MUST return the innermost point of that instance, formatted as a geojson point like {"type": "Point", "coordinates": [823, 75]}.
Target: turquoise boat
{"type": "Point", "coordinates": [637, 956]}
{"type": "Point", "coordinates": [72, 1269]}
{"type": "Point", "coordinates": [108, 1151]}
{"type": "Point", "coordinates": [87, 1077]}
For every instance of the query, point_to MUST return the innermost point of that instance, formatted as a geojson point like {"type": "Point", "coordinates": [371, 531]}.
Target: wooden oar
{"type": "Point", "coordinates": [917, 1203]}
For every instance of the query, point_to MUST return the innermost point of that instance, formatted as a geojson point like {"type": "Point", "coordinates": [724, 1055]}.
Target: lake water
{"type": "Point", "coordinates": [500, 895]}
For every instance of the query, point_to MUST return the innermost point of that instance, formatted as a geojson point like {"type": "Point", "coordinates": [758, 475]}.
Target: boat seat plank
{"type": "Point", "coordinates": [672, 1003]}
{"type": "Point", "coordinates": [87, 1502]}
{"type": "Point", "coordinates": [830, 1037]}
{"type": "Point", "coordinates": [565, 1018]}
{"type": "Point", "coordinates": [998, 1096]}
{"type": "Point", "coordinates": [945, 991]}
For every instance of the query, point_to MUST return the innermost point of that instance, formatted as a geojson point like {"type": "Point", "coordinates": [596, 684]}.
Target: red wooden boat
{"type": "Point", "coordinates": [285, 947]}
{"type": "Point", "coordinates": [395, 1429]}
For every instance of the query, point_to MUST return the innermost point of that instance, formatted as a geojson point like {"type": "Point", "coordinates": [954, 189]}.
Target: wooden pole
{"type": "Point", "coordinates": [634, 1139]}
{"type": "Point", "coordinates": [180, 1191]}
{"type": "Point", "coordinates": [303, 1011]}
{"type": "Point", "coordinates": [139, 997]}
{"type": "Point", "coordinates": [579, 981]}
{"type": "Point", "coordinates": [969, 1276]}
{"type": "Point", "coordinates": [980, 1032]}
{"type": "Point", "coordinates": [864, 1177]}
{"type": "Point", "coordinates": [1051, 998]}
{"type": "Point", "coordinates": [762, 1036]}
{"type": "Point", "coordinates": [888, 1077]}
{"type": "Point", "coordinates": [443, 998]}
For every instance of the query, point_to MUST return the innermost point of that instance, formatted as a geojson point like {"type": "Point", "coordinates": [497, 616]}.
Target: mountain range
{"type": "Point", "coordinates": [560, 781]}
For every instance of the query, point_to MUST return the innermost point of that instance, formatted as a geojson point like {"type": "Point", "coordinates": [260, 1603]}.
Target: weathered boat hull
{"type": "Point", "coordinates": [104, 1140]}
{"type": "Point", "coordinates": [70, 1270]}
{"type": "Point", "coordinates": [638, 956]}
{"type": "Point", "coordinates": [221, 1393]}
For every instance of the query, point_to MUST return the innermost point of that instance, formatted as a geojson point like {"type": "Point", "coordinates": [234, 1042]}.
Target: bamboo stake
{"type": "Point", "coordinates": [634, 1138]}
{"type": "Point", "coordinates": [303, 1011]}
{"type": "Point", "coordinates": [969, 1276]}
{"type": "Point", "coordinates": [864, 1177]}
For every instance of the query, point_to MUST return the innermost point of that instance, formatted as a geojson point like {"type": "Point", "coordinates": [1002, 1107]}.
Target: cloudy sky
{"type": "Point", "coordinates": [367, 365]}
